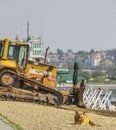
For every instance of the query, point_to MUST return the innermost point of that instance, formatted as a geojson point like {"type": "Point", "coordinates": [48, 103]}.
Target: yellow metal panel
{"type": "Point", "coordinates": [8, 63]}
{"type": "Point", "coordinates": [42, 72]}
{"type": "Point", "coordinates": [6, 45]}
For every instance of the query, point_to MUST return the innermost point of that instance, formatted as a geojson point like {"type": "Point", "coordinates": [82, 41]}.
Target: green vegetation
{"type": "Point", "coordinates": [97, 77]}
{"type": "Point", "coordinates": [13, 124]}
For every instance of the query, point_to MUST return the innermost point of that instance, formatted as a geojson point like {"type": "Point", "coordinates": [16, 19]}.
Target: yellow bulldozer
{"type": "Point", "coordinates": [21, 79]}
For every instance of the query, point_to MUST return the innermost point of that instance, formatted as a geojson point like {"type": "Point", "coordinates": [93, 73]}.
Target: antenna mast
{"type": "Point", "coordinates": [16, 38]}
{"type": "Point", "coordinates": [28, 31]}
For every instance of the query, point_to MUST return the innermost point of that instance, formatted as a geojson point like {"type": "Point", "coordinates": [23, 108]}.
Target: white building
{"type": "Point", "coordinates": [36, 48]}
{"type": "Point", "coordinates": [94, 59]}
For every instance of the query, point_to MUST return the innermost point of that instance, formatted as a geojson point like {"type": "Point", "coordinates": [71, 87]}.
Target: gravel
{"type": "Point", "coordinates": [32, 116]}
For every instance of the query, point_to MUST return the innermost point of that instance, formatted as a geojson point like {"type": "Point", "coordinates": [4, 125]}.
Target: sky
{"type": "Point", "coordinates": [63, 24]}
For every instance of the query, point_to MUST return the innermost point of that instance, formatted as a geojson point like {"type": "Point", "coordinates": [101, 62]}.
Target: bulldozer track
{"type": "Point", "coordinates": [21, 92]}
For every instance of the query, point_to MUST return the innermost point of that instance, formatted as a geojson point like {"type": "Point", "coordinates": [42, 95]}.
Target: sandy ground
{"type": "Point", "coordinates": [32, 116]}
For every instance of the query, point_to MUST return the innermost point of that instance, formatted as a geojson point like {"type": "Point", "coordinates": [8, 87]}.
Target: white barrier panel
{"type": "Point", "coordinates": [98, 99]}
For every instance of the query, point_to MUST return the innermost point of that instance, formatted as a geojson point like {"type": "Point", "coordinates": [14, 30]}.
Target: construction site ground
{"type": "Point", "coordinates": [31, 116]}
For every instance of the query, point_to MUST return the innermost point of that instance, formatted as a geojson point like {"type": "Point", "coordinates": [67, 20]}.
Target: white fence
{"type": "Point", "coordinates": [98, 99]}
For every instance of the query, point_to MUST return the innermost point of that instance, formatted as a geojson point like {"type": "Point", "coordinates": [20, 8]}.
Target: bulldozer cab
{"type": "Point", "coordinates": [13, 55]}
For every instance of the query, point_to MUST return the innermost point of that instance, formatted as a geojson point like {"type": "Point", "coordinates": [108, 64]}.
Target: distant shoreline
{"type": "Point", "coordinates": [87, 85]}
{"type": "Point", "coordinates": [110, 85]}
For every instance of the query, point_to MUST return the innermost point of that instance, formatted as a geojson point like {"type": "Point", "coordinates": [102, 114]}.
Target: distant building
{"type": "Point", "coordinates": [36, 48]}
{"type": "Point", "coordinates": [108, 62]}
{"type": "Point", "coordinates": [95, 59]}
